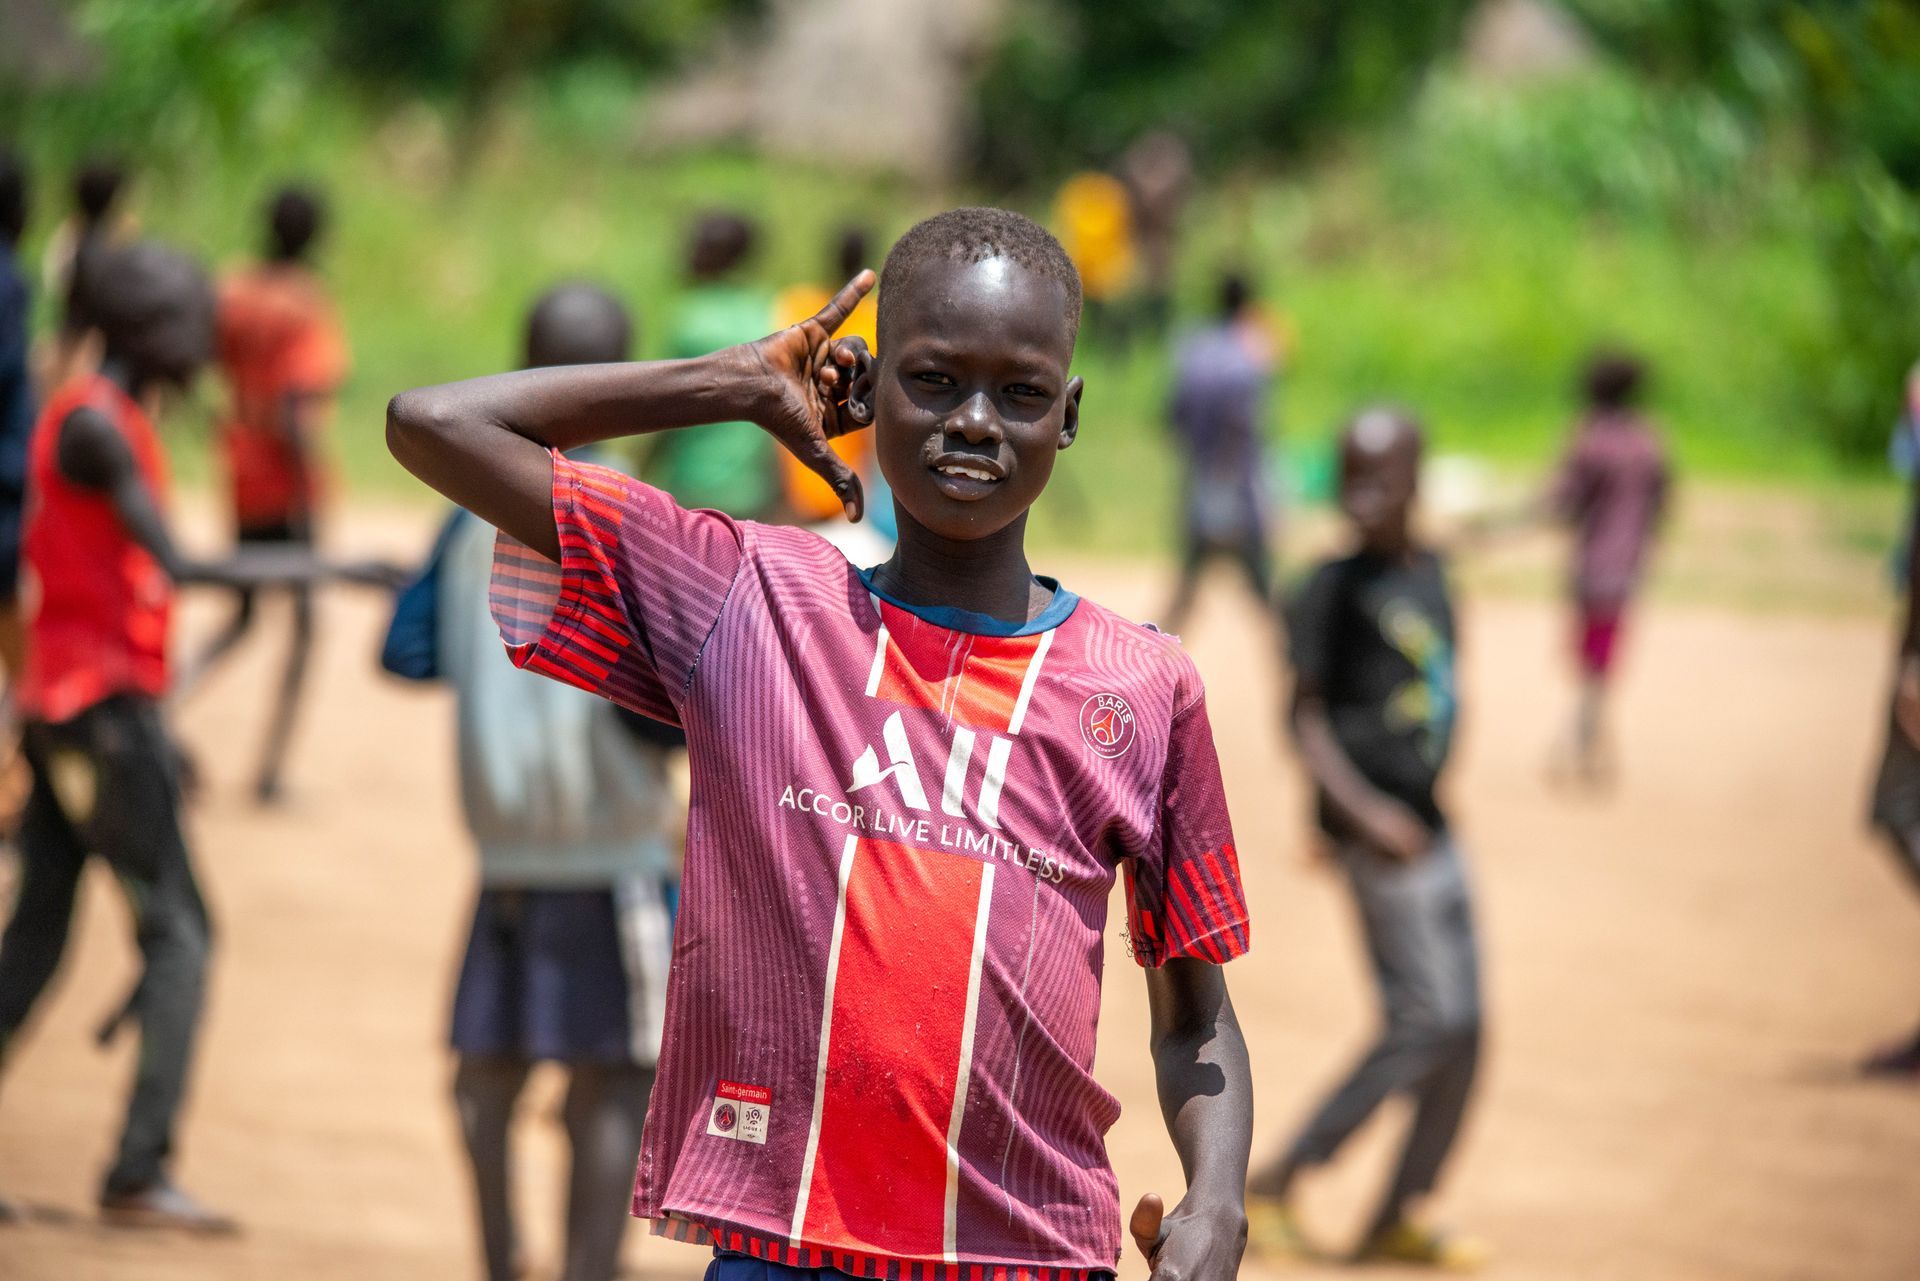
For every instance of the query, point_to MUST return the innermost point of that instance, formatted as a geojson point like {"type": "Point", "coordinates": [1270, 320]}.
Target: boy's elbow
{"type": "Point", "coordinates": [416, 421]}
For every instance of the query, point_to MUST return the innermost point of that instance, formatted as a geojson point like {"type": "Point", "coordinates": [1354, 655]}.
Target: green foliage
{"type": "Point", "coordinates": [473, 47]}
{"type": "Point", "coordinates": [1073, 80]}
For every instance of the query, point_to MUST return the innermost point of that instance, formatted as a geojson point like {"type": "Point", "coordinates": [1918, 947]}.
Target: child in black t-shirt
{"type": "Point", "coordinates": [1372, 641]}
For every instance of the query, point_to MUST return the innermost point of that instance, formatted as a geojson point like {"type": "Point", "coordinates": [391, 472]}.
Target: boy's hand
{"type": "Point", "coordinates": [1189, 1245]}
{"type": "Point", "coordinates": [807, 378]}
{"type": "Point", "coordinates": [1397, 830]}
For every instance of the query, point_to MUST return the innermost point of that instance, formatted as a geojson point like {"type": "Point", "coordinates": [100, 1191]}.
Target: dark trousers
{"type": "Point", "coordinates": [1419, 926]}
{"type": "Point", "coordinates": [104, 783]}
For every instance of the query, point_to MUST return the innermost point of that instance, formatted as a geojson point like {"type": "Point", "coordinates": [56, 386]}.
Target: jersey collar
{"type": "Point", "coordinates": [955, 619]}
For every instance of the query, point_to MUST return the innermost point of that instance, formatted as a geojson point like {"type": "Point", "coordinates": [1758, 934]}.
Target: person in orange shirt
{"type": "Point", "coordinates": [810, 500]}
{"type": "Point", "coordinates": [282, 355]}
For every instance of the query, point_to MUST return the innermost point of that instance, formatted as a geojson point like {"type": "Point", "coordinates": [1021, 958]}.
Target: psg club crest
{"type": "Point", "coordinates": [1106, 722]}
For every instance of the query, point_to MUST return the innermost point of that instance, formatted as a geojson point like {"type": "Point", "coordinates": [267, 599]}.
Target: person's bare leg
{"type": "Point", "coordinates": [605, 1110]}
{"type": "Point", "coordinates": [485, 1089]}
{"type": "Point", "coordinates": [286, 707]}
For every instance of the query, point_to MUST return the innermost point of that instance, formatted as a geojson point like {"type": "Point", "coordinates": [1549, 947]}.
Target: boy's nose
{"type": "Point", "coordinates": [975, 420]}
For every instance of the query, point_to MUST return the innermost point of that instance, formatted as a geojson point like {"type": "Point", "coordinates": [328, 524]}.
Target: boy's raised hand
{"type": "Point", "coordinates": [809, 379]}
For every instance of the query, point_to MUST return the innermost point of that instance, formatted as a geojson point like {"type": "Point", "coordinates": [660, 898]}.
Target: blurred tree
{"type": "Point", "coordinates": [1844, 76]}
{"type": "Point", "coordinates": [1073, 79]}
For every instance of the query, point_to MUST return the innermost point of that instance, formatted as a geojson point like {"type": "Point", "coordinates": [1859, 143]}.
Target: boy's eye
{"type": "Point", "coordinates": [1027, 390]}
{"type": "Point", "coordinates": [932, 378]}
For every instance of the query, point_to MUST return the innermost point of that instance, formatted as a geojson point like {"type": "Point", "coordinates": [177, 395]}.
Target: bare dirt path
{"type": "Point", "coordinates": [1679, 976]}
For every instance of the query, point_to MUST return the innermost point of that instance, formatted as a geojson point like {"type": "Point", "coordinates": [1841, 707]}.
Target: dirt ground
{"type": "Point", "coordinates": [1679, 975]}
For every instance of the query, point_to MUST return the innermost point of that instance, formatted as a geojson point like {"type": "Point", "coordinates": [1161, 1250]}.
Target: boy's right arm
{"type": "Point", "coordinates": [484, 442]}
{"type": "Point", "coordinates": [1386, 821]}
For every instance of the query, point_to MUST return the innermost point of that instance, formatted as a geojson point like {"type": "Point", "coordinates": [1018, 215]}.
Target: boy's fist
{"type": "Point", "coordinates": [1145, 1226]}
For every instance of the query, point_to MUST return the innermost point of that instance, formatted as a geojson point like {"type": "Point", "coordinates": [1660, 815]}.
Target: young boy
{"type": "Point", "coordinates": [283, 356]}
{"type": "Point", "coordinates": [100, 570]}
{"type": "Point", "coordinates": [573, 815]}
{"type": "Point", "coordinates": [1372, 640]}
{"type": "Point", "coordinates": [1612, 489]}
{"type": "Point", "coordinates": [730, 467]}
{"type": "Point", "coordinates": [912, 788]}
{"type": "Point", "coordinates": [1221, 380]}
{"type": "Point", "coordinates": [1896, 786]}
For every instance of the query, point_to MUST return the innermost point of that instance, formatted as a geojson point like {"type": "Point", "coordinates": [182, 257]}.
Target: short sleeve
{"type": "Point", "coordinates": [640, 586]}
{"type": "Point", "coordinates": [1312, 617]}
{"type": "Point", "coordinates": [1184, 896]}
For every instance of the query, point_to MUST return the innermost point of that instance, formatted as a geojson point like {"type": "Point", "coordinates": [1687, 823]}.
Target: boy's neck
{"type": "Point", "coordinates": [983, 575]}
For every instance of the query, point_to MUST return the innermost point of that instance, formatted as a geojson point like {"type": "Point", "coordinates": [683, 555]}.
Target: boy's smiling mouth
{"type": "Point", "coordinates": [967, 477]}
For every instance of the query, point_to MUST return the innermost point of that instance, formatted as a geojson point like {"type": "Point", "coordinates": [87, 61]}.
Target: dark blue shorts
{"type": "Point", "coordinates": [557, 974]}
{"type": "Point", "coordinates": [741, 1267]}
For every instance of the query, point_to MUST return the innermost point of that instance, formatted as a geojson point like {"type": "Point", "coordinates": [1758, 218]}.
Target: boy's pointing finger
{"type": "Point", "coordinates": [835, 313]}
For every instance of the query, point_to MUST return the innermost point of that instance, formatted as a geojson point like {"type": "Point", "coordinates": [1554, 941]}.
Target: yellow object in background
{"type": "Point", "coordinates": [1095, 222]}
{"type": "Point", "coordinates": [810, 497]}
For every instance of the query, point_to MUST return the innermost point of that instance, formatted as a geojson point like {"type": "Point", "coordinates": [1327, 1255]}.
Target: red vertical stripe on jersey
{"type": "Point", "coordinates": [880, 1171]}
{"type": "Point", "coordinates": [974, 679]}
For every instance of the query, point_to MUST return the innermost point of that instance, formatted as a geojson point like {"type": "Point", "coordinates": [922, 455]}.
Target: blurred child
{"type": "Point", "coordinates": [101, 568]}
{"type": "Point", "coordinates": [1612, 488]}
{"type": "Point", "coordinates": [1896, 789]}
{"type": "Point", "coordinates": [1220, 386]}
{"type": "Point", "coordinates": [88, 232]}
{"type": "Point", "coordinates": [729, 467]}
{"type": "Point", "coordinates": [1095, 216]}
{"type": "Point", "coordinates": [16, 404]}
{"type": "Point", "coordinates": [913, 788]}
{"type": "Point", "coordinates": [1158, 172]}
{"type": "Point", "coordinates": [282, 355]}
{"type": "Point", "coordinates": [1372, 644]}
{"type": "Point", "coordinates": [573, 815]}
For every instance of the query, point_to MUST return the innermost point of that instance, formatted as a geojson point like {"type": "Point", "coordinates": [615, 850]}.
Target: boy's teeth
{"type": "Point", "coordinates": [970, 472]}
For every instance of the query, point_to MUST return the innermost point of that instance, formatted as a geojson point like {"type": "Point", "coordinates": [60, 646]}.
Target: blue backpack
{"type": "Point", "coordinates": [411, 650]}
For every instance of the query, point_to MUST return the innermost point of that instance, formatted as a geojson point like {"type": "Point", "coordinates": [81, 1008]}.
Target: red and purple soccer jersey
{"type": "Point", "coordinates": [905, 825]}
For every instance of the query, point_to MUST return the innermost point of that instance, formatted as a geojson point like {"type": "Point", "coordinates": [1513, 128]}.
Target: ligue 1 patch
{"type": "Point", "coordinates": [1106, 722]}
{"type": "Point", "coordinates": [740, 1112]}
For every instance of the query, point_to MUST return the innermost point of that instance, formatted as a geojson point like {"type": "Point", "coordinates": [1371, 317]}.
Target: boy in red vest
{"type": "Point", "coordinates": [99, 570]}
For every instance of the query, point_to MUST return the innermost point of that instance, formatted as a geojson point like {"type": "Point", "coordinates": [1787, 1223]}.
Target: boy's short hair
{"type": "Point", "coordinates": [721, 241]}
{"type": "Point", "coordinates": [130, 287]}
{"type": "Point", "coordinates": [295, 216]}
{"type": "Point", "coordinates": [1612, 379]}
{"type": "Point", "coordinates": [13, 196]}
{"type": "Point", "coordinates": [976, 234]}
{"type": "Point", "coordinates": [578, 323]}
{"type": "Point", "coordinates": [96, 185]}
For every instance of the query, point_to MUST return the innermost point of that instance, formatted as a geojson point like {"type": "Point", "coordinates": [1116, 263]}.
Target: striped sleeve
{"type": "Point", "coordinates": [639, 588]}
{"type": "Point", "coordinates": [1184, 896]}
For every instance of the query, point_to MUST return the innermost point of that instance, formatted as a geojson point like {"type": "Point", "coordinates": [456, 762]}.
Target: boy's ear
{"type": "Point", "coordinates": [860, 392]}
{"type": "Point", "coordinates": [1070, 417]}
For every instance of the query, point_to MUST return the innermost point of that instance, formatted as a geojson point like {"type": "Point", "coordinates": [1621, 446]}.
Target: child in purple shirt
{"type": "Point", "coordinates": [1611, 489]}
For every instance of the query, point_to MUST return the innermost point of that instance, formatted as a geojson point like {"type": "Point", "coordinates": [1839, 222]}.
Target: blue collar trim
{"type": "Point", "coordinates": [954, 619]}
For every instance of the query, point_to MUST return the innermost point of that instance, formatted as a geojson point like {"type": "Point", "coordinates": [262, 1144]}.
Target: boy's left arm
{"type": "Point", "coordinates": [1206, 1096]}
